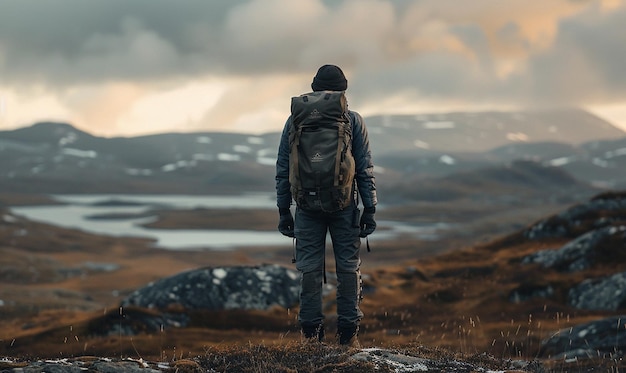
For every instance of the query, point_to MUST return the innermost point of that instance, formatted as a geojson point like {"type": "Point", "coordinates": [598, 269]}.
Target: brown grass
{"type": "Point", "coordinates": [424, 294]}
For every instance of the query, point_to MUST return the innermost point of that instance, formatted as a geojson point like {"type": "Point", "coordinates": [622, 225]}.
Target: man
{"type": "Point", "coordinates": [345, 227]}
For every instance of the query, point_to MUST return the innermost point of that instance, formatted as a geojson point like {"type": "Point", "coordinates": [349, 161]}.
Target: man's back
{"type": "Point", "coordinates": [342, 138]}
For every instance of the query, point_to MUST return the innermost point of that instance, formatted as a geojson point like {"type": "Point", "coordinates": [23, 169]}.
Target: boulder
{"type": "Point", "coordinates": [599, 212]}
{"type": "Point", "coordinates": [608, 293]}
{"type": "Point", "coordinates": [222, 288]}
{"type": "Point", "coordinates": [601, 338]}
{"type": "Point", "coordinates": [530, 291]}
{"type": "Point", "coordinates": [578, 254]}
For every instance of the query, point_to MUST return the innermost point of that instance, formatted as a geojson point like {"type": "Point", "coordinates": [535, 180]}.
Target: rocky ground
{"type": "Point", "coordinates": [527, 300]}
{"type": "Point", "coordinates": [293, 358]}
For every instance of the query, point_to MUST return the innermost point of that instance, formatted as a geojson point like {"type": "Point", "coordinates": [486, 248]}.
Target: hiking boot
{"type": "Point", "coordinates": [313, 332]}
{"type": "Point", "coordinates": [348, 336]}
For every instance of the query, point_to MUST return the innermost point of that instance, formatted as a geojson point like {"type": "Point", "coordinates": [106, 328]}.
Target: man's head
{"type": "Point", "coordinates": [329, 78]}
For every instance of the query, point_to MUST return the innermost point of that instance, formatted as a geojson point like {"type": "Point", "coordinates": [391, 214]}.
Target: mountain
{"type": "Point", "coordinates": [585, 146]}
{"type": "Point", "coordinates": [518, 182]}
{"type": "Point", "coordinates": [58, 158]}
{"type": "Point", "coordinates": [482, 131]}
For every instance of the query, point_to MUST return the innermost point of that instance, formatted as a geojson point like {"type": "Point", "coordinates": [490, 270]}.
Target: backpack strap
{"type": "Point", "coordinates": [294, 145]}
{"type": "Point", "coordinates": [341, 133]}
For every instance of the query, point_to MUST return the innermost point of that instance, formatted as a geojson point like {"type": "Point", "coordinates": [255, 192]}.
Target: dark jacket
{"type": "Point", "coordinates": [364, 177]}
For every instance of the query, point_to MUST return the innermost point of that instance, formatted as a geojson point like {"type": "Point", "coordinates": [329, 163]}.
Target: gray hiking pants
{"type": "Point", "coordinates": [310, 230]}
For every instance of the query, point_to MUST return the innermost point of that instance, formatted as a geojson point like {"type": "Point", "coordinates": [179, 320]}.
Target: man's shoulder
{"type": "Point", "coordinates": [355, 118]}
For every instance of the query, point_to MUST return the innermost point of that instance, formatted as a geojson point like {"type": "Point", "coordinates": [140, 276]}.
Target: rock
{"type": "Point", "coordinates": [578, 254]}
{"type": "Point", "coordinates": [375, 359]}
{"type": "Point", "coordinates": [608, 293]}
{"type": "Point", "coordinates": [529, 291]}
{"type": "Point", "coordinates": [601, 338]}
{"type": "Point", "coordinates": [599, 212]}
{"type": "Point", "coordinates": [84, 364]}
{"type": "Point", "coordinates": [389, 360]}
{"type": "Point", "coordinates": [222, 288]}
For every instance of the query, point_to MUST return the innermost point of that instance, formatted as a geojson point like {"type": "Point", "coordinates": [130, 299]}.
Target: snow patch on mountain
{"type": "Point", "coordinates": [138, 172]}
{"type": "Point", "coordinates": [175, 166]}
{"type": "Point", "coordinates": [79, 153]}
{"type": "Point", "coordinates": [242, 149]}
{"type": "Point", "coordinates": [226, 157]}
{"type": "Point", "coordinates": [69, 138]}
{"type": "Point", "coordinates": [421, 144]}
{"type": "Point", "coordinates": [561, 161]}
{"type": "Point", "coordinates": [446, 159]}
{"type": "Point", "coordinates": [615, 153]}
{"type": "Point", "coordinates": [600, 162]}
{"type": "Point", "coordinates": [517, 137]}
{"type": "Point", "coordinates": [439, 125]}
{"type": "Point", "coordinates": [256, 140]}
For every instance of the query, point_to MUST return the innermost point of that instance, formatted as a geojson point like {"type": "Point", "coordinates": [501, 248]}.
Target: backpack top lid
{"type": "Point", "coordinates": [319, 107]}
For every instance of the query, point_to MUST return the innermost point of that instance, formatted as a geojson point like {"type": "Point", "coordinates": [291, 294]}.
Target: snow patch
{"type": "Point", "coordinates": [203, 157]}
{"type": "Point", "coordinates": [517, 136]}
{"type": "Point", "coordinates": [69, 138]}
{"type": "Point", "coordinates": [226, 157]}
{"type": "Point", "coordinates": [265, 152]}
{"type": "Point", "coordinates": [600, 162]}
{"type": "Point", "coordinates": [256, 140]}
{"type": "Point", "coordinates": [439, 125]}
{"type": "Point", "coordinates": [446, 159]}
{"type": "Point", "coordinates": [266, 161]}
{"type": "Point", "coordinates": [615, 153]}
{"type": "Point", "coordinates": [242, 149]}
{"type": "Point", "coordinates": [79, 153]}
{"type": "Point", "coordinates": [138, 171]}
{"type": "Point", "coordinates": [180, 164]}
{"type": "Point", "coordinates": [558, 162]}
{"type": "Point", "coordinates": [421, 144]}
{"type": "Point", "coordinates": [203, 140]}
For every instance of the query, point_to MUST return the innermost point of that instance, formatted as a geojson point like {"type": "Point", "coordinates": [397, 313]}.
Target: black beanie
{"type": "Point", "coordinates": [329, 78]}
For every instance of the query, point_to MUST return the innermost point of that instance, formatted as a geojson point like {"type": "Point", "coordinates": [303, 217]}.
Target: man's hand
{"type": "Point", "coordinates": [367, 224]}
{"type": "Point", "coordinates": [285, 224]}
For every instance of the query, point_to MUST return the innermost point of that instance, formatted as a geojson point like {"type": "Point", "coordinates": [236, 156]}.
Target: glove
{"type": "Point", "coordinates": [367, 224]}
{"type": "Point", "coordinates": [285, 223]}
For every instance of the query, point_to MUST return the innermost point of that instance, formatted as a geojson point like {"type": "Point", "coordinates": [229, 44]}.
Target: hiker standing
{"type": "Point", "coordinates": [324, 159]}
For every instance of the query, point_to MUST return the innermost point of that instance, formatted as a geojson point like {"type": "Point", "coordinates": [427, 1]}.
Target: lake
{"type": "Point", "coordinates": [76, 210]}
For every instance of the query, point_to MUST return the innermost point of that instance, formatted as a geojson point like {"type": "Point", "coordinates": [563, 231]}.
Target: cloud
{"type": "Point", "coordinates": [105, 61]}
{"type": "Point", "coordinates": [586, 62]}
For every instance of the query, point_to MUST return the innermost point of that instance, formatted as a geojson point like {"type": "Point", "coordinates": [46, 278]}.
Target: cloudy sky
{"type": "Point", "coordinates": [124, 68]}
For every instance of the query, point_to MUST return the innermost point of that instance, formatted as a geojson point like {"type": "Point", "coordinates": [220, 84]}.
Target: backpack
{"type": "Point", "coordinates": [321, 164]}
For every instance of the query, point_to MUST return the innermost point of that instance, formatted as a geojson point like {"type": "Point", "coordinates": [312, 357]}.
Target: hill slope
{"type": "Point", "coordinates": [508, 297]}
